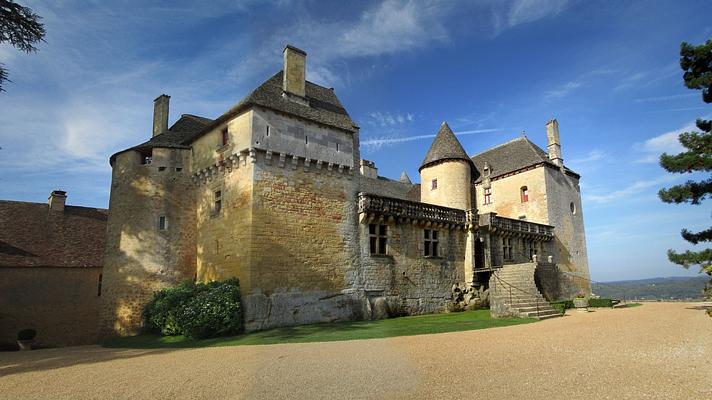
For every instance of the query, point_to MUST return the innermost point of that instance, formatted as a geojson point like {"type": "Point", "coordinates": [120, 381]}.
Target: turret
{"type": "Point", "coordinates": [446, 172]}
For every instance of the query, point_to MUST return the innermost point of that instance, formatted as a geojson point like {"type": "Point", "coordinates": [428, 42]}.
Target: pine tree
{"type": "Point", "coordinates": [696, 61]}
{"type": "Point", "coordinates": [20, 27]}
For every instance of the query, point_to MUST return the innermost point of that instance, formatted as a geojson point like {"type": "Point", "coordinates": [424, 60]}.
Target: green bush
{"type": "Point", "coordinates": [600, 303]}
{"type": "Point", "coordinates": [196, 310]}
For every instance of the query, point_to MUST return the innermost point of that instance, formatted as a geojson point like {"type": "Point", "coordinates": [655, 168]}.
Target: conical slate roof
{"type": "Point", "coordinates": [444, 147]}
{"type": "Point", "coordinates": [404, 178]}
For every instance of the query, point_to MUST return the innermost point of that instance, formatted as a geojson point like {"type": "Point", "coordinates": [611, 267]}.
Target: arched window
{"type": "Point", "coordinates": [524, 192]}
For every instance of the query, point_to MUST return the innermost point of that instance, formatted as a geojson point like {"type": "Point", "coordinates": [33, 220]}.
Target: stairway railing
{"type": "Point", "coordinates": [536, 296]}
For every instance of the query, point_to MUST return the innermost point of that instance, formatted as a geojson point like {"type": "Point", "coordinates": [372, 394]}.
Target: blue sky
{"type": "Point", "coordinates": [607, 70]}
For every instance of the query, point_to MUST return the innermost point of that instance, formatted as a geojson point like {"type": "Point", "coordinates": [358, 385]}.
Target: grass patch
{"type": "Point", "coordinates": [404, 326]}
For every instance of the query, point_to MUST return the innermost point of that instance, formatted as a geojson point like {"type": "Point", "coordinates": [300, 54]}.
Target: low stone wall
{"type": "Point", "coordinates": [288, 308]}
{"type": "Point", "coordinates": [555, 284]}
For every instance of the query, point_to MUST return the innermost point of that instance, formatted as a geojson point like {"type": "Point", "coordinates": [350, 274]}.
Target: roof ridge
{"type": "Point", "coordinates": [45, 204]}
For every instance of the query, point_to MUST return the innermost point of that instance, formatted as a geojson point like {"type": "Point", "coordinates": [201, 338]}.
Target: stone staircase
{"type": "Point", "coordinates": [513, 292]}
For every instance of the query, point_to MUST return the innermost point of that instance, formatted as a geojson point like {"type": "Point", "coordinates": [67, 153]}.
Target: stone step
{"type": "Point", "coordinates": [529, 309]}
{"type": "Point", "coordinates": [542, 314]}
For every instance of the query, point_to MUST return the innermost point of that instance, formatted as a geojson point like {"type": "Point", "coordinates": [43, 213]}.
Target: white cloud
{"type": "Point", "coordinates": [651, 149]}
{"type": "Point", "coordinates": [386, 119]}
{"type": "Point", "coordinates": [523, 11]}
{"type": "Point", "coordinates": [562, 91]}
{"type": "Point", "coordinates": [592, 156]}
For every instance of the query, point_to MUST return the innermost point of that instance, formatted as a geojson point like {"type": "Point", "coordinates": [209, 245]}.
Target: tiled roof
{"type": "Point", "coordinates": [444, 147]}
{"type": "Point", "coordinates": [511, 156]}
{"type": "Point", "coordinates": [32, 235]}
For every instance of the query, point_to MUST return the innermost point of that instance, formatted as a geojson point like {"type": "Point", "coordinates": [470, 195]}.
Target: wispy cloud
{"type": "Point", "coordinates": [562, 91]}
{"type": "Point", "coordinates": [592, 156]}
{"type": "Point", "coordinates": [650, 150]}
{"type": "Point", "coordinates": [665, 98]}
{"type": "Point", "coordinates": [377, 143]}
{"type": "Point", "coordinates": [523, 11]}
{"type": "Point", "coordinates": [629, 191]}
{"type": "Point", "coordinates": [387, 119]}
{"type": "Point", "coordinates": [679, 109]}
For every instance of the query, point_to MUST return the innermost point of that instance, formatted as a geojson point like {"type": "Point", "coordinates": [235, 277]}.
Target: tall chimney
{"type": "Point", "coordinates": [294, 71]}
{"type": "Point", "coordinates": [56, 200]}
{"type": "Point", "coordinates": [553, 142]}
{"type": "Point", "coordinates": [160, 114]}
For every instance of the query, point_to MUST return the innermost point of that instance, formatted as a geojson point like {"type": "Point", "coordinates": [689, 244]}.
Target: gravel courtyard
{"type": "Point", "coordinates": [656, 351]}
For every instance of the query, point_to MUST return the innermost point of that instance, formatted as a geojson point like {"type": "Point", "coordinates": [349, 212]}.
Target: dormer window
{"type": "Point", "coordinates": [524, 194]}
{"type": "Point", "coordinates": [488, 196]}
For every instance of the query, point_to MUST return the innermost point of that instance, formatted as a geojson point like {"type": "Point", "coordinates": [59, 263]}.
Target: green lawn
{"type": "Point", "coordinates": [404, 326]}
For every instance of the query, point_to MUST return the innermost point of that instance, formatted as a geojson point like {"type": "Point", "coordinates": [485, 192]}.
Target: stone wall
{"type": "Point", "coordinates": [140, 257]}
{"type": "Point", "coordinates": [566, 215]}
{"type": "Point", "coordinates": [507, 201]}
{"type": "Point", "coordinates": [453, 184]}
{"type": "Point", "coordinates": [61, 304]}
{"type": "Point", "coordinates": [413, 283]}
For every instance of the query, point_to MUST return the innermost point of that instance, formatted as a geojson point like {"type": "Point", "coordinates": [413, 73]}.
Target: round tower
{"type": "Point", "coordinates": [446, 172]}
{"type": "Point", "coordinates": [150, 238]}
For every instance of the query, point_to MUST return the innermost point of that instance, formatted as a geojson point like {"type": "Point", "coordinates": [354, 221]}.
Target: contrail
{"type": "Point", "coordinates": [380, 142]}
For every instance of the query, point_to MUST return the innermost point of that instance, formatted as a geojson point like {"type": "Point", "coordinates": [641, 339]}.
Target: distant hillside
{"type": "Point", "coordinates": [674, 288]}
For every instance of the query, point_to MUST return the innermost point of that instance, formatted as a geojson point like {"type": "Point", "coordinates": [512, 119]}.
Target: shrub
{"type": "Point", "coordinates": [26, 334]}
{"type": "Point", "coordinates": [160, 313]}
{"type": "Point", "coordinates": [196, 310]}
{"type": "Point", "coordinates": [213, 312]}
{"type": "Point", "coordinates": [600, 303]}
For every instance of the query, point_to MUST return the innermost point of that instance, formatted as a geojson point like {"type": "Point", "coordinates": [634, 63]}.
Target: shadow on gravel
{"type": "Point", "coordinates": [37, 360]}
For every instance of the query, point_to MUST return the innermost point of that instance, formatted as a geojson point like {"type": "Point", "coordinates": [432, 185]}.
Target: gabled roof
{"type": "Point", "coordinates": [324, 107]}
{"type": "Point", "coordinates": [444, 147]}
{"type": "Point", "coordinates": [32, 235]}
{"type": "Point", "coordinates": [511, 156]}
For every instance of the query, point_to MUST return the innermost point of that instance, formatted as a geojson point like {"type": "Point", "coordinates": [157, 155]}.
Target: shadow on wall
{"type": "Point", "coordinates": [19, 362]}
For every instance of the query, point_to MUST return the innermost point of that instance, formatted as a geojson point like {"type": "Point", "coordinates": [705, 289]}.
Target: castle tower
{"type": "Point", "coordinates": [148, 246]}
{"type": "Point", "coordinates": [446, 172]}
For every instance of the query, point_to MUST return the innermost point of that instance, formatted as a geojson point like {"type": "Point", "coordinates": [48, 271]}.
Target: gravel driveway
{"type": "Point", "coordinates": [656, 351]}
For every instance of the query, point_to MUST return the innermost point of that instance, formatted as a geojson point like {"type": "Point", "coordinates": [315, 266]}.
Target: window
{"type": "Point", "coordinates": [337, 147]}
{"type": "Point", "coordinates": [224, 137]}
{"type": "Point", "coordinates": [179, 169]}
{"type": "Point", "coordinates": [488, 196]}
{"type": "Point", "coordinates": [430, 243]}
{"type": "Point", "coordinates": [507, 249]}
{"type": "Point", "coordinates": [98, 286]}
{"type": "Point", "coordinates": [267, 131]}
{"type": "Point", "coordinates": [377, 238]}
{"type": "Point", "coordinates": [217, 202]}
{"type": "Point", "coordinates": [433, 184]}
{"type": "Point", "coordinates": [162, 223]}
{"type": "Point", "coordinates": [146, 160]}
{"type": "Point", "coordinates": [524, 194]}
{"type": "Point", "coordinates": [572, 206]}
{"type": "Point", "coordinates": [161, 168]}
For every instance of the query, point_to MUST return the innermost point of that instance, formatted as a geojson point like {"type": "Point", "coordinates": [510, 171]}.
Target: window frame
{"type": "Point", "coordinates": [431, 243]}
{"type": "Point", "coordinates": [162, 226]}
{"type": "Point", "coordinates": [217, 202]}
{"type": "Point", "coordinates": [224, 137]}
{"type": "Point", "coordinates": [524, 194]}
{"type": "Point", "coordinates": [434, 184]}
{"type": "Point", "coordinates": [487, 197]}
{"type": "Point", "coordinates": [377, 239]}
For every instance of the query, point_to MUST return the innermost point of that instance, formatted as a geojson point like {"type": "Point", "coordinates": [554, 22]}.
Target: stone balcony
{"type": "Point", "coordinates": [517, 227]}
{"type": "Point", "coordinates": [374, 205]}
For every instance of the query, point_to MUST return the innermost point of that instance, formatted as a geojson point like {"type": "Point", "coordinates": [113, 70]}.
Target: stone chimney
{"type": "Point", "coordinates": [553, 142]}
{"type": "Point", "coordinates": [294, 76]}
{"type": "Point", "coordinates": [56, 200]}
{"type": "Point", "coordinates": [368, 169]}
{"type": "Point", "coordinates": [160, 114]}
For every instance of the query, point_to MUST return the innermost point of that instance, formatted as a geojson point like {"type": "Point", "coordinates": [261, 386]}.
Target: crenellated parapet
{"type": "Point", "coordinates": [227, 164]}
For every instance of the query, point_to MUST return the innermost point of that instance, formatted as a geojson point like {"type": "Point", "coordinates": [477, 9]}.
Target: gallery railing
{"type": "Point", "coordinates": [398, 208]}
{"type": "Point", "coordinates": [521, 226]}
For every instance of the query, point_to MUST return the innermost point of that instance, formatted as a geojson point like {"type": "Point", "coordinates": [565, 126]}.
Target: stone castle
{"type": "Point", "coordinates": [274, 192]}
